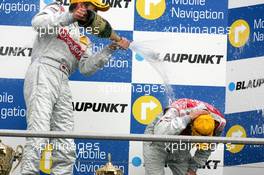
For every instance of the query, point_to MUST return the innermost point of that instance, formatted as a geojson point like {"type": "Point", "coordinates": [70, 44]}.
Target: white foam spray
{"type": "Point", "coordinates": [154, 59]}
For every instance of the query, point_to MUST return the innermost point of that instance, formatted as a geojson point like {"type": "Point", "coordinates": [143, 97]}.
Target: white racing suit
{"type": "Point", "coordinates": [177, 155]}
{"type": "Point", "coordinates": [57, 52]}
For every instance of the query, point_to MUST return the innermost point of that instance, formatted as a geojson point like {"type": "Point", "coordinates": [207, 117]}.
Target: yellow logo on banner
{"type": "Point", "coordinates": [239, 33]}
{"type": "Point", "coordinates": [46, 160]}
{"type": "Point", "coordinates": [151, 9]}
{"type": "Point", "coordinates": [146, 108]}
{"type": "Point", "coordinates": [236, 131]}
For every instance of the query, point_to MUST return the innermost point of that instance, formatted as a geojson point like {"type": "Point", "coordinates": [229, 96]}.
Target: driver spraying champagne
{"type": "Point", "coordinates": [58, 51]}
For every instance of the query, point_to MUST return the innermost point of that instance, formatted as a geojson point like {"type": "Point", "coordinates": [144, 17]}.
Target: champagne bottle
{"type": "Point", "coordinates": [100, 26]}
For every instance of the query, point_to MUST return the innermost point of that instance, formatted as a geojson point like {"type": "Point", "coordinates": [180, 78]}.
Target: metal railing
{"type": "Point", "coordinates": [131, 137]}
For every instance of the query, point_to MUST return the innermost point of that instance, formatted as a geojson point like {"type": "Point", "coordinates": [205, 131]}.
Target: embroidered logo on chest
{"type": "Point", "coordinates": [74, 47]}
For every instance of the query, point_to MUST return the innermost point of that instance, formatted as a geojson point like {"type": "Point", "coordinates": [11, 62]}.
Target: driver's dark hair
{"type": "Point", "coordinates": [72, 7]}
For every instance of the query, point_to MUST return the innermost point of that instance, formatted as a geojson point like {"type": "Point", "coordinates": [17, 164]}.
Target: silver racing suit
{"type": "Point", "coordinates": [57, 52]}
{"type": "Point", "coordinates": [177, 155]}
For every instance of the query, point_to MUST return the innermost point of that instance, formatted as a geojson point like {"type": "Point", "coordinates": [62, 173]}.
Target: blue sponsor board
{"type": "Point", "coordinates": [48, 1]}
{"type": "Point", "coordinates": [212, 95]}
{"type": "Point", "coordinates": [139, 90]}
{"type": "Point", "coordinates": [252, 122]}
{"type": "Point", "coordinates": [254, 47]}
{"type": "Point", "coordinates": [64, 2]}
{"type": "Point", "coordinates": [12, 105]}
{"type": "Point", "coordinates": [18, 12]}
{"type": "Point", "coordinates": [118, 69]}
{"type": "Point", "coordinates": [93, 154]}
{"type": "Point", "coordinates": [42, 173]}
{"type": "Point", "coordinates": [182, 16]}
